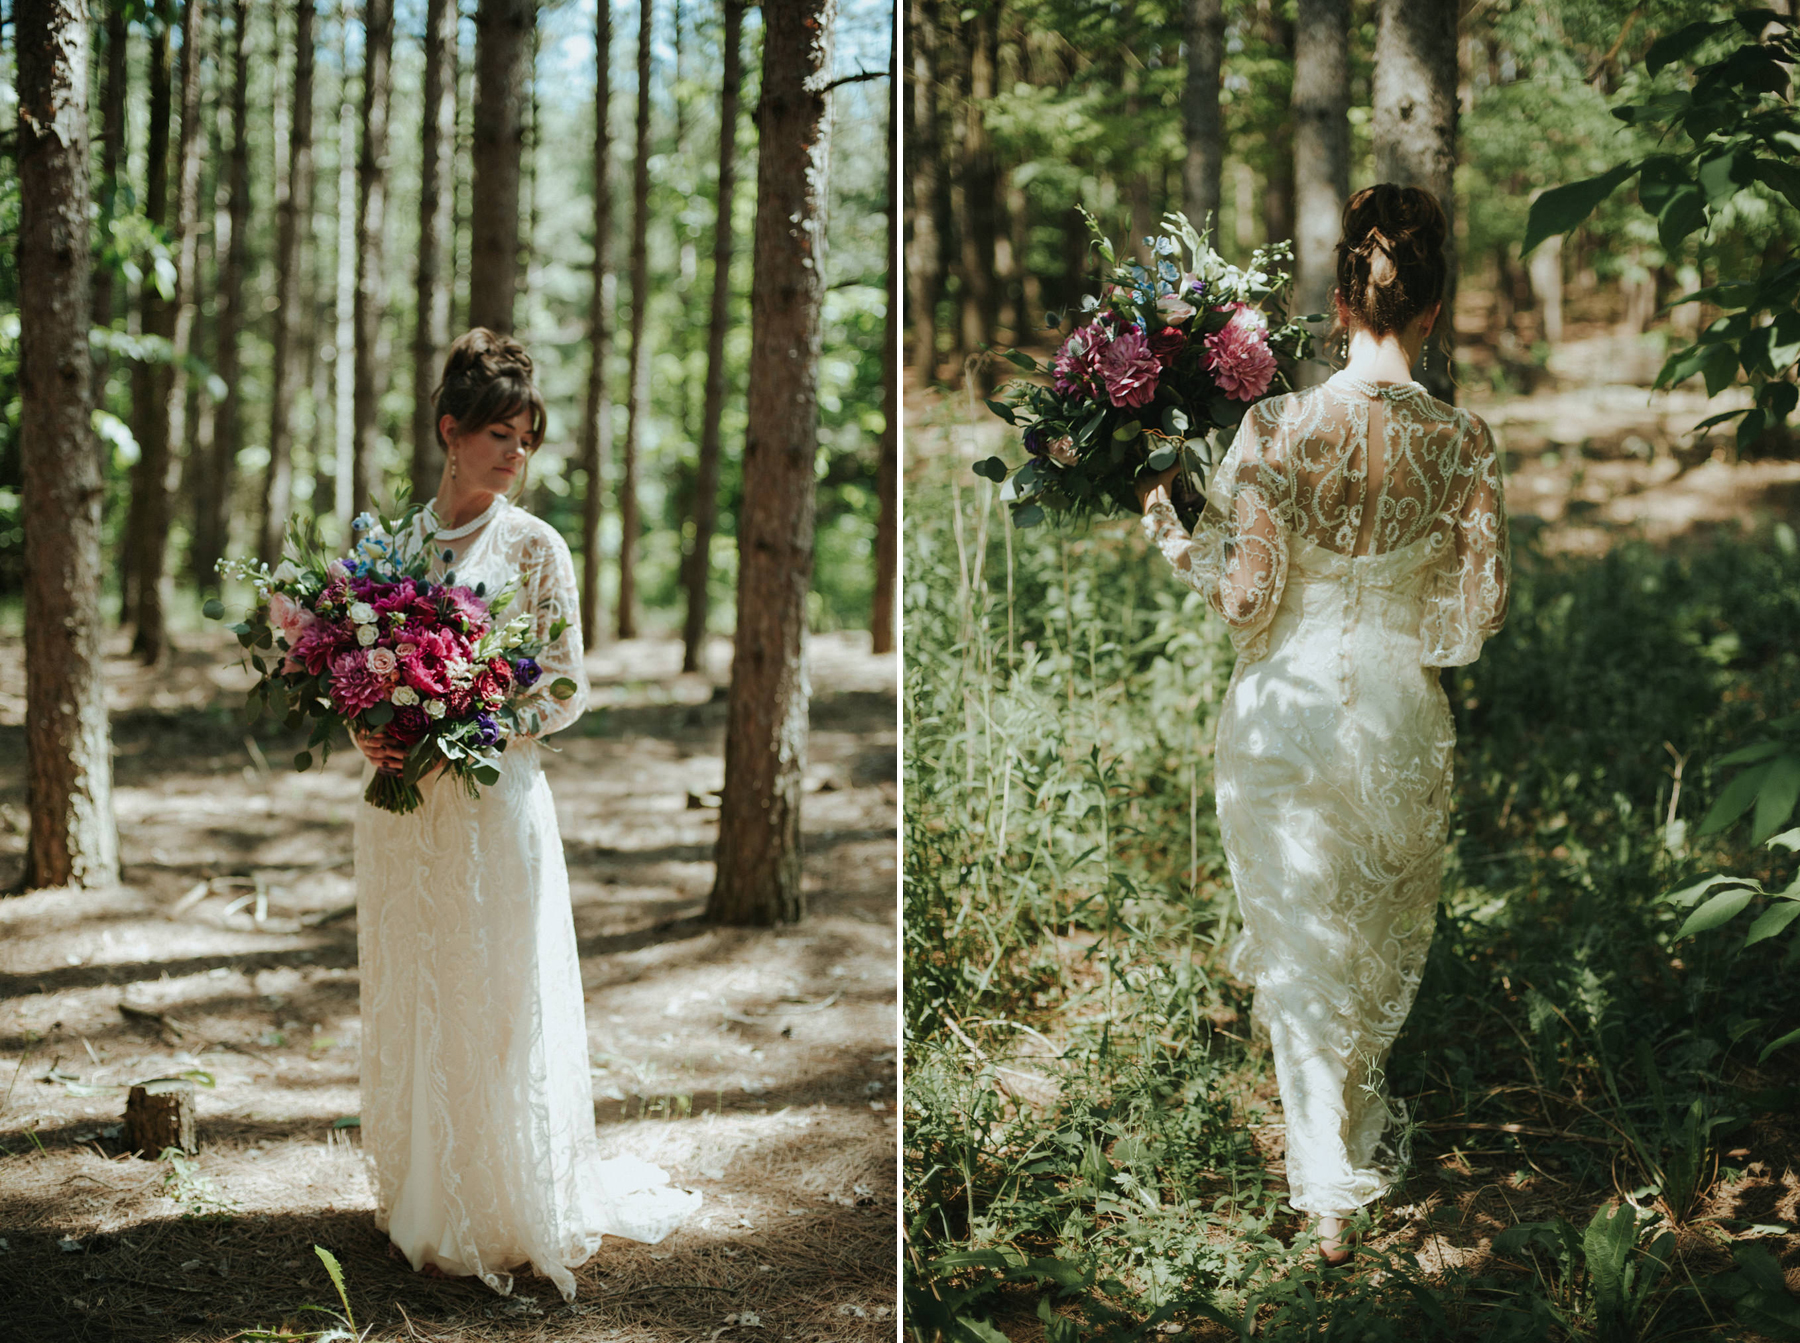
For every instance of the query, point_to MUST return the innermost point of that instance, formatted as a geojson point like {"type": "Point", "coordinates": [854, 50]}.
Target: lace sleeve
{"type": "Point", "coordinates": [1237, 555]}
{"type": "Point", "coordinates": [1467, 600]}
{"type": "Point", "coordinates": [547, 582]}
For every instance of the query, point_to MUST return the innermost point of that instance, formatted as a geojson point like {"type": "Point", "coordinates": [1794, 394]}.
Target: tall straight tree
{"type": "Point", "coordinates": [502, 48]}
{"type": "Point", "coordinates": [1205, 130]}
{"type": "Point", "coordinates": [156, 317]}
{"type": "Point", "coordinates": [68, 750]}
{"type": "Point", "coordinates": [288, 367]}
{"type": "Point", "coordinates": [343, 344]}
{"type": "Point", "coordinates": [706, 477]}
{"type": "Point", "coordinates": [887, 470]}
{"type": "Point", "coordinates": [924, 172]}
{"type": "Point", "coordinates": [149, 640]}
{"type": "Point", "coordinates": [758, 860]}
{"type": "Point", "coordinates": [1321, 152]}
{"type": "Point", "coordinates": [213, 497]}
{"type": "Point", "coordinates": [637, 386]}
{"type": "Point", "coordinates": [1414, 128]}
{"type": "Point", "coordinates": [371, 217]}
{"type": "Point", "coordinates": [596, 427]}
{"type": "Point", "coordinates": [437, 204]}
{"type": "Point", "coordinates": [979, 181]}
{"type": "Point", "coordinates": [112, 157]}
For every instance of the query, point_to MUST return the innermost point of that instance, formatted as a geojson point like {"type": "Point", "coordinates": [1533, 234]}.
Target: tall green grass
{"type": "Point", "coordinates": [1082, 1098]}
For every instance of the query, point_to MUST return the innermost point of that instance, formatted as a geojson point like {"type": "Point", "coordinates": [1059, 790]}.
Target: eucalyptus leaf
{"type": "Point", "coordinates": [562, 688]}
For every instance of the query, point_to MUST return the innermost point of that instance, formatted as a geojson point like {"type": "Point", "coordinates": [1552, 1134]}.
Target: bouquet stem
{"type": "Point", "coordinates": [392, 793]}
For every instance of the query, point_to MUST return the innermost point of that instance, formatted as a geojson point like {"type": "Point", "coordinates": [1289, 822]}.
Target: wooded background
{"type": "Point", "coordinates": [330, 132]}
{"type": "Point", "coordinates": [1263, 114]}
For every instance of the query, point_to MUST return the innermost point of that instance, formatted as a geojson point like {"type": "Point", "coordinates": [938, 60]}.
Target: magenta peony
{"type": "Point", "coordinates": [354, 687]}
{"type": "Point", "coordinates": [428, 666]}
{"type": "Point", "coordinates": [1077, 363]}
{"type": "Point", "coordinates": [1238, 356]}
{"type": "Point", "coordinates": [1129, 370]}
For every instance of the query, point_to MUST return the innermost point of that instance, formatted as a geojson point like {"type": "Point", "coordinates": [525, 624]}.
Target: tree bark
{"type": "Point", "coordinates": [73, 838]}
{"type": "Point", "coordinates": [1201, 170]}
{"type": "Point", "coordinates": [758, 860]}
{"type": "Point", "coordinates": [924, 171]}
{"type": "Point", "coordinates": [150, 640]}
{"type": "Point", "coordinates": [213, 498]}
{"type": "Point", "coordinates": [343, 344]}
{"type": "Point", "coordinates": [596, 429]}
{"type": "Point", "coordinates": [706, 477]}
{"type": "Point", "coordinates": [887, 470]}
{"type": "Point", "coordinates": [1278, 187]}
{"type": "Point", "coordinates": [979, 181]}
{"type": "Point", "coordinates": [1414, 128]}
{"type": "Point", "coordinates": [371, 218]}
{"type": "Point", "coordinates": [288, 367]}
{"type": "Point", "coordinates": [112, 155]}
{"type": "Point", "coordinates": [437, 203]}
{"type": "Point", "coordinates": [502, 28]}
{"type": "Point", "coordinates": [156, 317]}
{"type": "Point", "coordinates": [1321, 155]}
{"type": "Point", "coordinates": [638, 383]}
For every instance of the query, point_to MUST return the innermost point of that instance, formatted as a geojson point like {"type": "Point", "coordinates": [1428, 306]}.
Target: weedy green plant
{"type": "Point", "coordinates": [187, 1184]}
{"type": "Point", "coordinates": [1605, 1283]}
{"type": "Point", "coordinates": [344, 1331]}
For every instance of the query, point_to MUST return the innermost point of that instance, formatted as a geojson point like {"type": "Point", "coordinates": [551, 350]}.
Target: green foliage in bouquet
{"type": "Point", "coordinates": [1169, 360]}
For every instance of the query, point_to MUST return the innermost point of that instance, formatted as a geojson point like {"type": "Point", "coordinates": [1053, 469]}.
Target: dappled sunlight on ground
{"type": "Point", "coordinates": [757, 1066]}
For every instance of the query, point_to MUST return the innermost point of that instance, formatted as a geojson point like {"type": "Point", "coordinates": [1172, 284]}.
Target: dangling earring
{"type": "Point", "coordinates": [1425, 356]}
{"type": "Point", "coordinates": [1344, 348]}
{"type": "Point", "coordinates": [453, 466]}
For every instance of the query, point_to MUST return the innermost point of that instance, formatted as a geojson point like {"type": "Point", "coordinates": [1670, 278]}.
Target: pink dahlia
{"type": "Point", "coordinates": [1077, 363]}
{"type": "Point", "coordinates": [354, 687]}
{"type": "Point", "coordinates": [1129, 370]}
{"type": "Point", "coordinates": [464, 603]}
{"type": "Point", "coordinates": [427, 668]}
{"type": "Point", "coordinates": [318, 643]}
{"type": "Point", "coordinates": [1238, 356]}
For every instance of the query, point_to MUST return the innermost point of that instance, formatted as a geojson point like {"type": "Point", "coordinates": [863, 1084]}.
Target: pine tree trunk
{"type": "Point", "coordinates": [1321, 154]}
{"type": "Point", "coordinates": [924, 172]}
{"type": "Point", "coordinates": [596, 428]}
{"type": "Point", "coordinates": [887, 471]}
{"type": "Point", "coordinates": [758, 860]}
{"type": "Point", "coordinates": [288, 367]}
{"type": "Point", "coordinates": [976, 219]}
{"type": "Point", "coordinates": [1201, 122]}
{"type": "Point", "coordinates": [706, 478]}
{"type": "Point", "coordinates": [149, 380]}
{"type": "Point", "coordinates": [638, 383]}
{"type": "Point", "coordinates": [1415, 137]}
{"type": "Point", "coordinates": [213, 501]}
{"type": "Point", "coordinates": [150, 640]}
{"type": "Point", "coordinates": [112, 156]}
{"type": "Point", "coordinates": [1278, 188]}
{"type": "Point", "coordinates": [371, 216]}
{"type": "Point", "coordinates": [73, 838]}
{"type": "Point", "coordinates": [502, 28]}
{"type": "Point", "coordinates": [437, 203]}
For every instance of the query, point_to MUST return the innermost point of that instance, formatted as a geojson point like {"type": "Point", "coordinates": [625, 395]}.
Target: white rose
{"type": "Point", "coordinates": [434, 708]}
{"type": "Point", "coordinates": [404, 695]}
{"type": "Point", "coordinates": [362, 613]}
{"type": "Point", "coordinates": [365, 635]}
{"type": "Point", "coordinates": [285, 572]}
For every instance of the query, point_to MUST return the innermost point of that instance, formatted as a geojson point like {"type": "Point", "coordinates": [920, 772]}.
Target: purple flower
{"type": "Point", "coordinates": [526, 673]}
{"type": "Point", "coordinates": [1077, 363]}
{"type": "Point", "coordinates": [487, 731]}
{"type": "Point", "coordinates": [1129, 370]}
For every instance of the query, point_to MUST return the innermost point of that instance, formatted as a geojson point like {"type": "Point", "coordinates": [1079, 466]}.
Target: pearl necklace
{"type": "Point", "coordinates": [452, 533]}
{"type": "Point", "coordinates": [1367, 388]}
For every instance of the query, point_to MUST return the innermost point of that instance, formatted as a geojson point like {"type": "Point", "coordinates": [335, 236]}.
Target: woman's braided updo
{"type": "Point", "coordinates": [1390, 261]}
{"type": "Point", "coordinates": [487, 378]}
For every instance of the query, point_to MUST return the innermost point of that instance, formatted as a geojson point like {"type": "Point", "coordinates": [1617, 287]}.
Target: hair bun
{"type": "Point", "coordinates": [487, 377]}
{"type": "Point", "coordinates": [1391, 262]}
{"type": "Point", "coordinates": [482, 355]}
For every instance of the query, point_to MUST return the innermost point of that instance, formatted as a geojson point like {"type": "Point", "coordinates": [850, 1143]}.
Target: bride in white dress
{"type": "Point", "coordinates": [1354, 537]}
{"type": "Point", "coordinates": [476, 1103]}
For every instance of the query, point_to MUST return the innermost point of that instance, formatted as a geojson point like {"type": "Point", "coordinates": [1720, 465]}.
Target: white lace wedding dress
{"type": "Point", "coordinates": [476, 1103]}
{"type": "Point", "coordinates": [1347, 577]}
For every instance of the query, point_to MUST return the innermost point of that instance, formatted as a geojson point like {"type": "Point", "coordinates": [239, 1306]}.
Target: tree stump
{"type": "Point", "coordinates": [161, 1118]}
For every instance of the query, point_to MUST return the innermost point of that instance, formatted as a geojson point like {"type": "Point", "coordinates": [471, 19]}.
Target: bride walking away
{"type": "Point", "coordinates": [1354, 538]}
{"type": "Point", "coordinates": [477, 1108]}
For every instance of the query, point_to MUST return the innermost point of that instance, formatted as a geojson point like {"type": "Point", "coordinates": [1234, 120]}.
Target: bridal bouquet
{"type": "Point", "coordinates": [1168, 355]}
{"type": "Point", "coordinates": [371, 641]}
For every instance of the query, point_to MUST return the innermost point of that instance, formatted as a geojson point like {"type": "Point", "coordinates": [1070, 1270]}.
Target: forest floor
{"type": "Point", "coordinates": [757, 1067]}
{"type": "Point", "coordinates": [1590, 468]}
